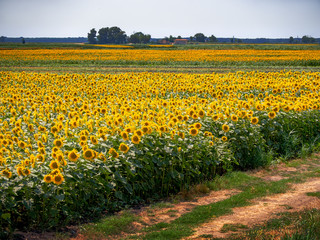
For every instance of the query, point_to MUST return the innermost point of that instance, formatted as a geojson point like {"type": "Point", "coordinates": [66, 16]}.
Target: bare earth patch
{"type": "Point", "coordinates": [263, 209]}
{"type": "Point", "coordinates": [154, 216]}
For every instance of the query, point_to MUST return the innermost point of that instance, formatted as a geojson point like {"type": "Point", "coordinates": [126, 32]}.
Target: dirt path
{"type": "Point", "coordinates": [167, 214]}
{"type": "Point", "coordinates": [264, 209]}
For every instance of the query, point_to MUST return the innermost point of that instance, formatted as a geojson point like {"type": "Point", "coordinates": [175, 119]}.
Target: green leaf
{"type": "Point", "coordinates": [6, 216]}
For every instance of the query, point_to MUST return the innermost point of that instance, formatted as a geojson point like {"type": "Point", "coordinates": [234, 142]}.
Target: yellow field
{"type": "Point", "coordinates": [41, 113]}
{"type": "Point", "coordinates": [162, 55]}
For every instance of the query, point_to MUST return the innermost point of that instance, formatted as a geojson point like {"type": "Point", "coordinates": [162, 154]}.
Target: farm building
{"type": "Point", "coordinates": [180, 41]}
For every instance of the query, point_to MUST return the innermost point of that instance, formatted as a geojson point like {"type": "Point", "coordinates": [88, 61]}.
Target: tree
{"type": "Point", "coordinates": [23, 41]}
{"type": "Point", "coordinates": [111, 35]}
{"type": "Point", "coordinates": [92, 36]}
{"type": "Point", "coordinates": [171, 38]}
{"type": "Point", "coordinates": [200, 37]}
{"type": "Point", "coordinates": [117, 35]}
{"type": "Point", "coordinates": [308, 39]}
{"type": "Point", "coordinates": [3, 39]}
{"type": "Point", "coordinates": [212, 38]}
{"type": "Point", "coordinates": [291, 39]}
{"type": "Point", "coordinates": [139, 37]}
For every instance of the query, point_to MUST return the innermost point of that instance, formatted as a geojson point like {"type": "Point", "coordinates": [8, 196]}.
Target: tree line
{"type": "Point", "coordinates": [115, 35]}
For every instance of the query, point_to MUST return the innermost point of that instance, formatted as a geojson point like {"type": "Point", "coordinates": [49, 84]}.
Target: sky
{"type": "Point", "coordinates": [161, 18]}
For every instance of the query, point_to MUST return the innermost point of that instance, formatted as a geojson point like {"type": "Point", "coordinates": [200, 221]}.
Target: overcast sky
{"type": "Point", "coordinates": [222, 18]}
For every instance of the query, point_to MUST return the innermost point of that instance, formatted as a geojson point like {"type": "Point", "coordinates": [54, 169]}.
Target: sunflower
{"type": "Point", "coordinates": [225, 128]}
{"type": "Point", "coordinates": [197, 125]}
{"type": "Point", "coordinates": [26, 171]}
{"type": "Point", "coordinates": [47, 178]}
{"type": "Point", "coordinates": [55, 172]}
{"type": "Point", "coordinates": [272, 114]}
{"type": "Point", "coordinates": [5, 142]}
{"type": "Point", "coordinates": [54, 164]}
{"type": "Point", "coordinates": [224, 138]}
{"type": "Point", "coordinates": [22, 144]}
{"type": "Point", "coordinates": [234, 118]}
{"type": "Point", "coordinates": [193, 131]}
{"type": "Point", "coordinates": [145, 129]}
{"type": "Point", "coordinates": [88, 154]}
{"type": "Point", "coordinates": [181, 134]}
{"type": "Point", "coordinates": [42, 151]}
{"type": "Point", "coordinates": [201, 113]}
{"type": "Point", "coordinates": [41, 128]}
{"type": "Point", "coordinates": [58, 143]}
{"type": "Point", "coordinates": [94, 140]}
{"type": "Point", "coordinates": [30, 127]}
{"type": "Point", "coordinates": [125, 135]}
{"type": "Point", "coordinates": [54, 129]}
{"type": "Point", "coordinates": [254, 120]}
{"type": "Point", "coordinates": [73, 155]}
{"type": "Point", "coordinates": [124, 147]}
{"type": "Point", "coordinates": [40, 157]}
{"type": "Point", "coordinates": [113, 153]}
{"type": "Point", "coordinates": [20, 171]}
{"type": "Point", "coordinates": [40, 144]}
{"type": "Point", "coordinates": [135, 139]}
{"type": "Point", "coordinates": [58, 179]}
{"type": "Point", "coordinates": [215, 117]}
{"type": "Point", "coordinates": [83, 138]}
{"type": "Point", "coordinates": [139, 132]}
{"type": "Point", "coordinates": [6, 173]}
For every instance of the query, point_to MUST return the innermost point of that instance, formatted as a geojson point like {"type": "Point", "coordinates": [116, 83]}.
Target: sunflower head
{"type": "Point", "coordinates": [193, 131]}
{"type": "Point", "coordinates": [47, 178]}
{"type": "Point", "coordinates": [125, 135]}
{"type": "Point", "coordinates": [54, 164]}
{"type": "Point", "coordinates": [88, 154]}
{"type": "Point", "coordinates": [124, 147]}
{"type": "Point", "coordinates": [225, 128]}
{"type": "Point", "coordinates": [135, 139]}
{"type": "Point", "coordinates": [58, 143]}
{"type": "Point", "coordinates": [272, 114]}
{"type": "Point", "coordinates": [197, 125]}
{"type": "Point", "coordinates": [113, 153]}
{"type": "Point", "coordinates": [58, 179]}
{"type": "Point", "coordinates": [254, 120]}
{"type": "Point", "coordinates": [234, 118]}
{"type": "Point", "coordinates": [73, 156]}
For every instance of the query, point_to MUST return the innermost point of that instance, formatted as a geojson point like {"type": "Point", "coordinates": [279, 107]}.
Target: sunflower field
{"type": "Point", "coordinates": [75, 145]}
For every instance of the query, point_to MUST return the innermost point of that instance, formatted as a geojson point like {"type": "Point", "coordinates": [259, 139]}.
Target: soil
{"type": "Point", "coordinates": [263, 209]}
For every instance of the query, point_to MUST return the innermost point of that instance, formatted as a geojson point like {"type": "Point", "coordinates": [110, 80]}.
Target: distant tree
{"type": "Point", "coordinates": [117, 35]}
{"type": "Point", "coordinates": [239, 40]}
{"type": "Point", "coordinates": [308, 39]}
{"type": "Point", "coordinates": [139, 37]}
{"type": "Point", "coordinates": [200, 37]}
{"type": "Point", "coordinates": [212, 38]}
{"type": "Point", "coordinates": [291, 40]}
{"type": "Point", "coordinates": [92, 36]}
{"type": "Point", "coordinates": [23, 41]}
{"type": "Point", "coordinates": [171, 38]}
{"type": "Point", "coordinates": [3, 39]}
{"type": "Point", "coordinates": [111, 35]}
{"type": "Point", "coordinates": [179, 37]}
{"type": "Point", "coordinates": [191, 38]}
